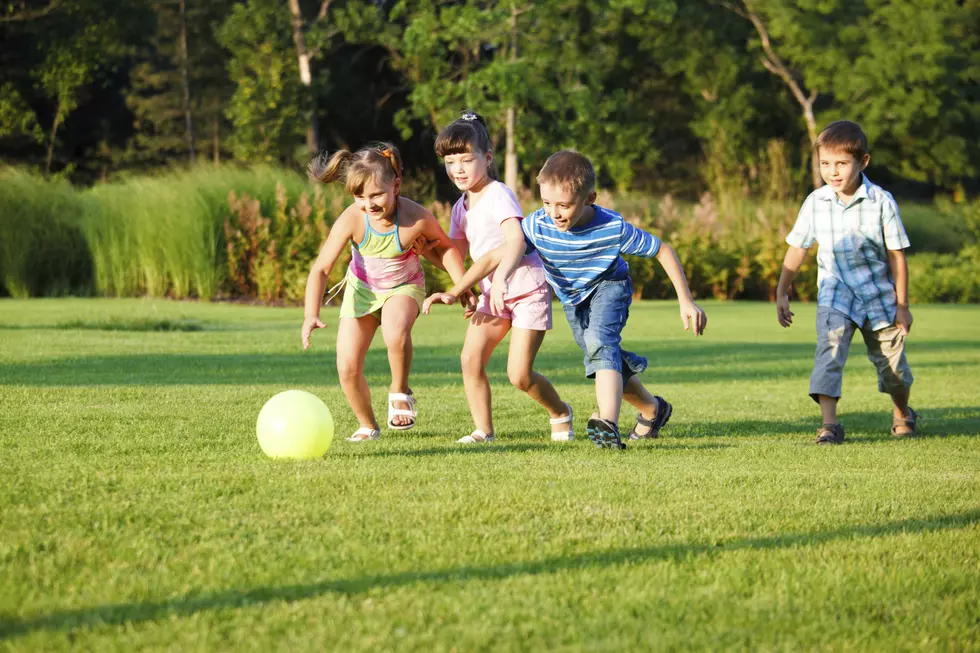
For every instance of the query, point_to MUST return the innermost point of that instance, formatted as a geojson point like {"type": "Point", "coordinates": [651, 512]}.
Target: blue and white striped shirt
{"type": "Point", "coordinates": [854, 276]}
{"type": "Point", "coordinates": [577, 260]}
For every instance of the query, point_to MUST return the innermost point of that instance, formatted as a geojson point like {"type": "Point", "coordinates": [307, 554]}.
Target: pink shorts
{"type": "Point", "coordinates": [531, 311]}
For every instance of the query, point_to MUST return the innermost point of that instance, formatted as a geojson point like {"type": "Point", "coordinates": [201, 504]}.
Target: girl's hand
{"type": "Point", "coordinates": [444, 297]}
{"type": "Point", "coordinates": [469, 302]}
{"type": "Point", "coordinates": [693, 318]}
{"type": "Point", "coordinates": [309, 324]}
{"type": "Point", "coordinates": [497, 292]}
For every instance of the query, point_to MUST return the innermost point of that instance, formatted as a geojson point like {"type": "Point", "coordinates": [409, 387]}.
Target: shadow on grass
{"type": "Point", "coordinates": [133, 613]}
{"type": "Point", "coordinates": [863, 427]}
{"type": "Point", "coordinates": [561, 362]}
{"type": "Point", "coordinates": [519, 447]}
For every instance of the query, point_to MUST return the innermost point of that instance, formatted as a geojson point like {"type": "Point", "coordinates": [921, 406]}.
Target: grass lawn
{"type": "Point", "coordinates": [137, 511]}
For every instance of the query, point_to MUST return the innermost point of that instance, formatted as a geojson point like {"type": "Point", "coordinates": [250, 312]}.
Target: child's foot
{"type": "Point", "coordinates": [476, 437]}
{"type": "Point", "coordinates": [401, 411]}
{"type": "Point", "coordinates": [365, 433]}
{"type": "Point", "coordinates": [904, 427]}
{"type": "Point", "coordinates": [560, 433]}
{"type": "Point", "coordinates": [649, 427]}
{"type": "Point", "coordinates": [604, 434]}
{"type": "Point", "coordinates": [830, 434]}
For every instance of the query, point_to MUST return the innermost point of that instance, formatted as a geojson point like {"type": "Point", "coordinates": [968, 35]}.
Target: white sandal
{"type": "Point", "coordinates": [476, 437]}
{"type": "Point", "coordinates": [401, 412]}
{"type": "Point", "coordinates": [363, 434]}
{"type": "Point", "coordinates": [564, 436]}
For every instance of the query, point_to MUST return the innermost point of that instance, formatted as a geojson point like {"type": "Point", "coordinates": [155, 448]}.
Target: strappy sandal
{"type": "Point", "coordinates": [830, 434]}
{"type": "Point", "coordinates": [364, 434]}
{"type": "Point", "coordinates": [604, 434]}
{"type": "Point", "coordinates": [476, 437]}
{"type": "Point", "coordinates": [664, 411]}
{"type": "Point", "coordinates": [564, 436]}
{"type": "Point", "coordinates": [905, 423]}
{"type": "Point", "coordinates": [401, 412]}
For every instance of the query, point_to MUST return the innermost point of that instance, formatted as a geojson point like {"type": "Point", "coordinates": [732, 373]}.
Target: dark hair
{"type": "Point", "coordinates": [843, 135]}
{"type": "Point", "coordinates": [379, 161]}
{"type": "Point", "coordinates": [466, 134]}
{"type": "Point", "coordinates": [570, 170]}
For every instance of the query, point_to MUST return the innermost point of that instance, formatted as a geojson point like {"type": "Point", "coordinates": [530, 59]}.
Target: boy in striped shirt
{"type": "Point", "coordinates": [862, 280]}
{"type": "Point", "coordinates": [581, 247]}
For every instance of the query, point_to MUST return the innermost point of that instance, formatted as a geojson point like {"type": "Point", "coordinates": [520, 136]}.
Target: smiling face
{"type": "Point", "coordinates": [841, 170]}
{"type": "Point", "coordinates": [566, 208]}
{"type": "Point", "coordinates": [468, 170]}
{"type": "Point", "coordinates": [376, 199]}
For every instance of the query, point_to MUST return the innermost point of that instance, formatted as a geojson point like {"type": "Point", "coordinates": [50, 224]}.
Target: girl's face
{"type": "Point", "coordinates": [378, 200]}
{"type": "Point", "coordinates": [468, 170]}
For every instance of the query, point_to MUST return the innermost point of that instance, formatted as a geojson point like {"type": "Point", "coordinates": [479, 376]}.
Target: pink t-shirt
{"type": "Point", "coordinates": [481, 227]}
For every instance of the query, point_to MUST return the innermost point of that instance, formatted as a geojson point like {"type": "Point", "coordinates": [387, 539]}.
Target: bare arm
{"type": "Point", "coordinates": [900, 273]}
{"type": "Point", "coordinates": [514, 250]}
{"type": "Point", "coordinates": [691, 314]}
{"type": "Point", "coordinates": [791, 265]}
{"type": "Point", "coordinates": [340, 234]}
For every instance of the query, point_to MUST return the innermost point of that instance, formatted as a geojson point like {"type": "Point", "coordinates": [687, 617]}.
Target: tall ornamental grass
{"type": "Point", "coordinates": [42, 242]}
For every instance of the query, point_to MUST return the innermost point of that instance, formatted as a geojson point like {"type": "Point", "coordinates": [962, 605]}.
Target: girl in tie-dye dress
{"type": "Point", "coordinates": [384, 284]}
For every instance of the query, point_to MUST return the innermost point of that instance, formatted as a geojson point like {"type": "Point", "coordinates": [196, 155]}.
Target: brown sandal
{"type": "Point", "coordinates": [905, 422]}
{"type": "Point", "coordinates": [830, 434]}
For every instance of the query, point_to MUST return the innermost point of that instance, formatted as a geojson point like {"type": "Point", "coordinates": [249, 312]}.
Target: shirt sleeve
{"type": "Point", "coordinates": [802, 234]}
{"type": "Point", "coordinates": [638, 242]}
{"type": "Point", "coordinates": [457, 228]}
{"type": "Point", "coordinates": [891, 223]}
{"type": "Point", "coordinates": [527, 226]}
{"type": "Point", "coordinates": [506, 206]}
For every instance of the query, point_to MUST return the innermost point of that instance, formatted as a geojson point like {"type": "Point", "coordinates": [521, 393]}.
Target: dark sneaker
{"type": "Point", "coordinates": [604, 434]}
{"type": "Point", "coordinates": [830, 434]}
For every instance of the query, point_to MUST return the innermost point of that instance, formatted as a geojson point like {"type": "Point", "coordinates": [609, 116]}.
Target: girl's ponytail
{"type": "Point", "coordinates": [328, 169]}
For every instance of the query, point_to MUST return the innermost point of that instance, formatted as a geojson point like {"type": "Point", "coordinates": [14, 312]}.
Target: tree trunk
{"type": "Point", "coordinates": [305, 76]}
{"type": "Point", "coordinates": [54, 132]}
{"type": "Point", "coordinates": [185, 81]}
{"type": "Point", "coordinates": [510, 160]}
{"type": "Point", "coordinates": [811, 130]}
{"type": "Point", "coordinates": [216, 141]}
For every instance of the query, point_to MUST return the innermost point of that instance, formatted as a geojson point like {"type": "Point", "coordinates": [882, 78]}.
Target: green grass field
{"type": "Point", "coordinates": [137, 511]}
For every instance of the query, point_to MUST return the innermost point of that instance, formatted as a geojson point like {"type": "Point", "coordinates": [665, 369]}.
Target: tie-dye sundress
{"type": "Point", "coordinates": [379, 269]}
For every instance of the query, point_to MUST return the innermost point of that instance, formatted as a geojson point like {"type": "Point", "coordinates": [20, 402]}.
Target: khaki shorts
{"type": "Point", "coordinates": [886, 349]}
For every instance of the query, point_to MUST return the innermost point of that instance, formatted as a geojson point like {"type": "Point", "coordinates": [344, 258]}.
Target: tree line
{"type": "Point", "coordinates": [664, 95]}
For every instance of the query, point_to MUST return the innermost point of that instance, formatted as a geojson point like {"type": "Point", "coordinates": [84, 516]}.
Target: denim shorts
{"type": "Point", "coordinates": [597, 325]}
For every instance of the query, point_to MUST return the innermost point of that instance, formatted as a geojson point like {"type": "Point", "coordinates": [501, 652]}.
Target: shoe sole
{"type": "Point", "coordinates": [603, 437]}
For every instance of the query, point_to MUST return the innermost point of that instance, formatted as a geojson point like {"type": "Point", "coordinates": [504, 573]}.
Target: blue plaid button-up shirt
{"type": "Point", "coordinates": [852, 258]}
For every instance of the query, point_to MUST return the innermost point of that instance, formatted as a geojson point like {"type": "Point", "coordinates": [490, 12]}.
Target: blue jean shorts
{"type": "Point", "coordinates": [597, 325]}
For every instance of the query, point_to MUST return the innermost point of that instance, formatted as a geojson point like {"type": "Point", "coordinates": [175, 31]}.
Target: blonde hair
{"type": "Point", "coordinates": [380, 161]}
{"type": "Point", "coordinates": [570, 170]}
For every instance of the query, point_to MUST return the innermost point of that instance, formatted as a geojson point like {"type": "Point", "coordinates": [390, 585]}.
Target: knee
{"type": "Point", "coordinates": [520, 379]}
{"type": "Point", "coordinates": [349, 369]}
{"type": "Point", "coordinates": [398, 340]}
{"type": "Point", "coordinates": [471, 363]}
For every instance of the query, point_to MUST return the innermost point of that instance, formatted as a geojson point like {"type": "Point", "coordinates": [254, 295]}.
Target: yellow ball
{"type": "Point", "coordinates": [294, 424]}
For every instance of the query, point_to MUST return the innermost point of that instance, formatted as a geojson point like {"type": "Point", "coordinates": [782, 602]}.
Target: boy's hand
{"type": "Point", "coordinates": [444, 297]}
{"type": "Point", "coordinates": [309, 325]}
{"type": "Point", "coordinates": [693, 318]}
{"type": "Point", "coordinates": [468, 301]}
{"type": "Point", "coordinates": [783, 314]}
{"type": "Point", "coordinates": [903, 319]}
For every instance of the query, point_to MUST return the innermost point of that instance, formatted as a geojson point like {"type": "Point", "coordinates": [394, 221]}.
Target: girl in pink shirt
{"type": "Point", "coordinates": [485, 217]}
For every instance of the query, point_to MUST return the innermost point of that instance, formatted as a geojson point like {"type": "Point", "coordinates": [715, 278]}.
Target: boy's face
{"type": "Point", "coordinates": [841, 170]}
{"type": "Point", "coordinates": [566, 208]}
{"type": "Point", "coordinates": [378, 200]}
{"type": "Point", "coordinates": [468, 170]}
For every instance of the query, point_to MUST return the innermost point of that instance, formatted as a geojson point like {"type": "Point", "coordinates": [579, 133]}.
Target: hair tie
{"type": "Point", "coordinates": [388, 154]}
{"type": "Point", "coordinates": [469, 117]}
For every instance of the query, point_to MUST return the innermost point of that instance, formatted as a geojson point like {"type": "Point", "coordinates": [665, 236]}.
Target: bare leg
{"type": "Point", "coordinates": [354, 336]}
{"type": "Point", "coordinates": [482, 337]}
{"type": "Point", "coordinates": [828, 408]}
{"type": "Point", "coordinates": [398, 315]}
{"type": "Point", "coordinates": [609, 394]}
{"type": "Point", "coordinates": [524, 346]}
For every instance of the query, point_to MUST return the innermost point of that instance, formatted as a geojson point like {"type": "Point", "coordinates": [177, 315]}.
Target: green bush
{"type": "Point", "coordinates": [43, 250]}
{"type": "Point", "coordinates": [945, 277]}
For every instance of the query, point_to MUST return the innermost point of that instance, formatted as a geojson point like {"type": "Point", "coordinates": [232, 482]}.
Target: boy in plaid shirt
{"type": "Point", "coordinates": [862, 280]}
